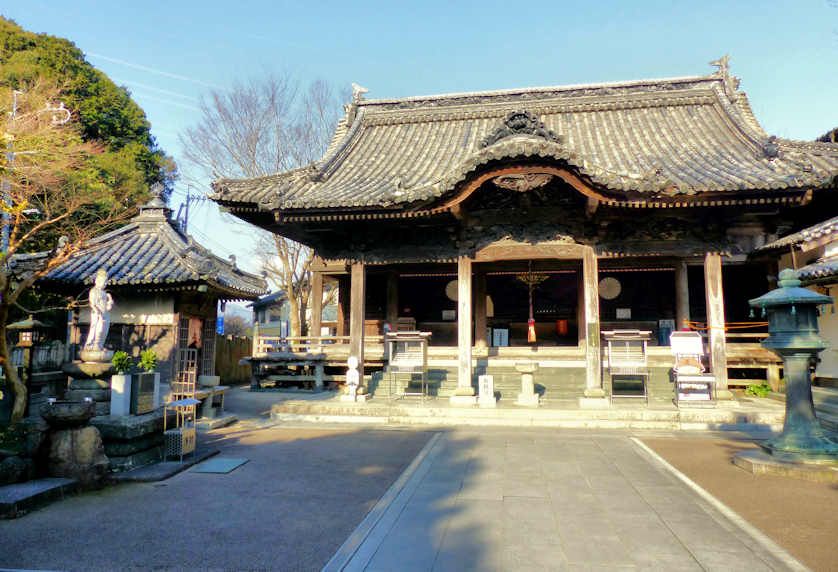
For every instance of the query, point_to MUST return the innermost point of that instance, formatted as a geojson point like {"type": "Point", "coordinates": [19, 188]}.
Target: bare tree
{"type": "Point", "coordinates": [258, 128]}
{"type": "Point", "coordinates": [236, 326]}
{"type": "Point", "coordinates": [53, 197]}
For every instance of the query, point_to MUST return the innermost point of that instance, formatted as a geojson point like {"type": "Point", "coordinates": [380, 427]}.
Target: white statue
{"type": "Point", "coordinates": [353, 378]}
{"type": "Point", "coordinates": [101, 304]}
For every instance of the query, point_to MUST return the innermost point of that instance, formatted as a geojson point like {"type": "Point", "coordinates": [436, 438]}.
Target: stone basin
{"type": "Point", "coordinates": [87, 370]}
{"type": "Point", "coordinates": [67, 414]}
{"type": "Point", "coordinates": [526, 367]}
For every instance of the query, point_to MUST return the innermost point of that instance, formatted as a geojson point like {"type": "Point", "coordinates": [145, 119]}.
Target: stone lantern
{"type": "Point", "coordinates": [30, 331]}
{"type": "Point", "coordinates": [793, 329]}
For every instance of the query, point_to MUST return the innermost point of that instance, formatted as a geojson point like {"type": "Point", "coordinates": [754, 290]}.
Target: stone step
{"type": "Point", "coordinates": [18, 499]}
{"type": "Point", "coordinates": [623, 414]}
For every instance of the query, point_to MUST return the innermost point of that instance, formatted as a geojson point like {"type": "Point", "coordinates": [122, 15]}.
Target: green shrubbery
{"type": "Point", "coordinates": [760, 390]}
{"type": "Point", "coordinates": [148, 360]}
{"type": "Point", "coordinates": [121, 362]}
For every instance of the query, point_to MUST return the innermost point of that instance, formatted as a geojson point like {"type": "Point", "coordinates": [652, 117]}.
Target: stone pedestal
{"type": "Point", "coordinates": [528, 397]}
{"type": "Point", "coordinates": [90, 379]}
{"type": "Point", "coordinates": [358, 398]}
{"type": "Point", "coordinates": [132, 440]}
{"type": "Point", "coordinates": [78, 454]}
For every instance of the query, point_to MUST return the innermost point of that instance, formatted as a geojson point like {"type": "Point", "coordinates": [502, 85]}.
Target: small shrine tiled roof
{"type": "Point", "coordinates": [651, 138]}
{"type": "Point", "coordinates": [827, 228]}
{"type": "Point", "coordinates": [151, 250]}
{"type": "Point", "coordinates": [824, 270]}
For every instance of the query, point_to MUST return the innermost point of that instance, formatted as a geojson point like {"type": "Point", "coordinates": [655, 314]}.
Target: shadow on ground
{"type": "Point", "coordinates": [290, 507]}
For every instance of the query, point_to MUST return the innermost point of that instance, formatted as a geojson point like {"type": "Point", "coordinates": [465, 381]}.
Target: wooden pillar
{"type": "Point", "coordinates": [316, 301]}
{"type": "Point", "coordinates": [464, 394]}
{"type": "Point", "coordinates": [580, 307]}
{"type": "Point", "coordinates": [480, 309]}
{"type": "Point", "coordinates": [716, 322]}
{"type": "Point", "coordinates": [392, 314]}
{"type": "Point", "coordinates": [682, 295]}
{"type": "Point", "coordinates": [357, 298]}
{"type": "Point", "coordinates": [343, 294]}
{"type": "Point", "coordinates": [593, 359]}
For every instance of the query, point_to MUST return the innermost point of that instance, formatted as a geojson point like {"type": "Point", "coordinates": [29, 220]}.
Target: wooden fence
{"type": "Point", "coordinates": [228, 351]}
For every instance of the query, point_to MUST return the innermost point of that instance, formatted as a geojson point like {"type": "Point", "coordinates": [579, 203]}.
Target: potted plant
{"type": "Point", "coordinates": [121, 384]}
{"type": "Point", "coordinates": [146, 392]}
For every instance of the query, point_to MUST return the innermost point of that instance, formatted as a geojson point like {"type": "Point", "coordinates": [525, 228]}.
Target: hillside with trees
{"type": "Point", "coordinates": [78, 158]}
{"type": "Point", "coordinates": [105, 112]}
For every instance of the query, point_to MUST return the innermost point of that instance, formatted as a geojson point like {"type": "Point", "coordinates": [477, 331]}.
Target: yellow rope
{"type": "Point", "coordinates": [727, 327]}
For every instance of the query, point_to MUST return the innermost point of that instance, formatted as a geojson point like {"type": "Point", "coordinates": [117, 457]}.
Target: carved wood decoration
{"type": "Point", "coordinates": [523, 182]}
{"type": "Point", "coordinates": [520, 123]}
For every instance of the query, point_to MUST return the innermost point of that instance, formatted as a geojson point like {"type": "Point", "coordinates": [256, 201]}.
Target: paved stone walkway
{"type": "Point", "coordinates": [541, 500]}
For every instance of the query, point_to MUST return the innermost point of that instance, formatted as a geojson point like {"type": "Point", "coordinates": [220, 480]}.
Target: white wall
{"type": "Point", "coordinates": [151, 310]}
{"type": "Point", "coordinates": [828, 324]}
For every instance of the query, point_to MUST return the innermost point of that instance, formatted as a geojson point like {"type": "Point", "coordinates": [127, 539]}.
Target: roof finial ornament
{"type": "Point", "coordinates": [156, 192]}
{"type": "Point", "coordinates": [520, 122]}
{"type": "Point", "coordinates": [723, 63]}
{"type": "Point", "coordinates": [358, 92]}
{"type": "Point", "coordinates": [731, 84]}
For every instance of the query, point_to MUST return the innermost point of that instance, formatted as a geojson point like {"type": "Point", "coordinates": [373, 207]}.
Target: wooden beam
{"type": "Point", "coordinates": [524, 251]}
{"type": "Point", "coordinates": [356, 315]}
{"type": "Point", "coordinates": [316, 300]}
{"type": "Point", "coordinates": [480, 309]}
{"type": "Point", "coordinates": [564, 174]}
{"type": "Point", "coordinates": [716, 322]}
{"type": "Point", "coordinates": [682, 295]}
{"type": "Point", "coordinates": [593, 359]}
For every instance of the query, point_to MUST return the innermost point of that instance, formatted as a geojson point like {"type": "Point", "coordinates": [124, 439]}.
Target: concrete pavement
{"type": "Point", "coordinates": [544, 500]}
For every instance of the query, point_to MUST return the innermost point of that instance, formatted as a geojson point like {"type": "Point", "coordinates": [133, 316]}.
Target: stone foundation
{"type": "Point", "coordinates": [131, 440]}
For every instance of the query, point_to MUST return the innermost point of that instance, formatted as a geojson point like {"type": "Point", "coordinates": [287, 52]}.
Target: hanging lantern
{"type": "Point", "coordinates": [531, 280]}
{"type": "Point", "coordinates": [561, 327]}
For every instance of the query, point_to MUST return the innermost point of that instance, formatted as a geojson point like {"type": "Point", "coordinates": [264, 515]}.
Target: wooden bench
{"type": "Point", "coordinates": [752, 356]}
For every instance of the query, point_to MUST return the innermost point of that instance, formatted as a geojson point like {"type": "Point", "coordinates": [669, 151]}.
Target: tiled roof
{"type": "Point", "coordinates": [820, 230]}
{"type": "Point", "coordinates": [679, 136]}
{"type": "Point", "coordinates": [819, 271]}
{"type": "Point", "coordinates": [151, 251]}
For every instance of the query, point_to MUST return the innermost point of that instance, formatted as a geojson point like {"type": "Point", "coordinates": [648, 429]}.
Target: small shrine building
{"type": "Point", "coordinates": [166, 288]}
{"type": "Point", "coordinates": [628, 201]}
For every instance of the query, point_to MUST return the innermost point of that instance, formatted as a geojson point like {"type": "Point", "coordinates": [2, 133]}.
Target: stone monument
{"type": "Point", "coordinates": [486, 384]}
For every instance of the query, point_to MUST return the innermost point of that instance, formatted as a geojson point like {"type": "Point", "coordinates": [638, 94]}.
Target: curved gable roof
{"type": "Point", "coordinates": [151, 251]}
{"type": "Point", "coordinates": [679, 136]}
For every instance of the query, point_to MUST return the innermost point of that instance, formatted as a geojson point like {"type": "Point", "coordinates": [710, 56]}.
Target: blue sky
{"type": "Point", "coordinates": [170, 53]}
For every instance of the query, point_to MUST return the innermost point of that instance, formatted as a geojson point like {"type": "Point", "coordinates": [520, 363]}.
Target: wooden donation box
{"type": "Point", "coordinates": [408, 353]}
{"type": "Point", "coordinates": [692, 383]}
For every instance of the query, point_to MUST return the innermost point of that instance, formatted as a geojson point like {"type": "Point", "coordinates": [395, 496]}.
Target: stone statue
{"type": "Point", "coordinates": [101, 304]}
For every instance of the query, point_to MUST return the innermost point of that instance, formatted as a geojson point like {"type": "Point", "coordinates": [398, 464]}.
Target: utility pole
{"type": "Point", "coordinates": [184, 208]}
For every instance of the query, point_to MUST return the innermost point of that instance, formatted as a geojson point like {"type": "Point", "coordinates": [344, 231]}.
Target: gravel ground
{"type": "Point", "coordinates": [290, 507]}
{"type": "Point", "coordinates": [800, 516]}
